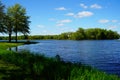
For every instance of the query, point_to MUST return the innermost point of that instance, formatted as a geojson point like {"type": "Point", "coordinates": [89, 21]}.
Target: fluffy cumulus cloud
{"type": "Point", "coordinates": [83, 6]}
{"type": "Point", "coordinates": [59, 24]}
{"type": "Point", "coordinates": [107, 21]}
{"type": "Point", "coordinates": [80, 14]}
{"type": "Point", "coordinates": [103, 21]}
{"type": "Point", "coordinates": [40, 26]}
{"type": "Point", "coordinates": [96, 6]}
{"type": "Point", "coordinates": [63, 22]}
{"type": "Point", "coordinates": [84, 14]}
{"type": "Point", "coordinates": [112, 27]}
{"type": "Point", "coordinates": [93, 6]}
{"type": "Point", "coordinates": [70, 14]}
{"type": "Point", "coordinates": [114, 21]}
{"type": "Point", "coordinates": [66, 29]}
{"type": "Point", "coordinates": [61, 8]}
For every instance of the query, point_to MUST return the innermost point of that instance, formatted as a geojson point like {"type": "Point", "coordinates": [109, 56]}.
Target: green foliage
{"type": "Point", "coordinates": [66, 35]}
{"type": "Point", "coordinates": [2, 13]}
{"type": "Point", "coordinates": [37, 67]}
{"type": "Point", "coordinates": [19, 18]}
{"type": "Point", "coordinates": [14, 19]}
{"type": "Point", "coordinates": [82, 34]}
{"type": "Point", "coordinates": [87, 73]}
{"type": "Point", "coordinates": [4, 46]}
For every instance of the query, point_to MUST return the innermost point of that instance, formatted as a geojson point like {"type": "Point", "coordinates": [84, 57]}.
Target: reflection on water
{"type": "Point", "coordinates": [13, 49]}
{"type": "Point", "coordinates": [10, 49]}
{"type": "Point", "coordinates": [101, 54]}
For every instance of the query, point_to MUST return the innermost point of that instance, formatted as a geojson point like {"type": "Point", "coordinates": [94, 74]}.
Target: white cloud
{"type": "Point", "coordinates": [103, 21]}
{"type": "Point", "coordinates": [60, 24]}
{"type": "Point", "coordinates": [40, 26]}
{"type": "Point", "coordinates": [83, 6]}
{"type": "Point", "coordinates": [52, 19]}
{"type": "Point", "coordinates": [96, 6]}
{"type": "Point", "coordinates": [84, 14]}
{"type": "Point", "coordinates": [63, 22]}
{"type": "Point", "coordinates": [112, 27]}
{"type": "Point", "coordinates": [106, 21]}
{"type": "Point", "coordinates": [114, 21]}
{"type": "Point", "coordinates": [66, 29]}
{"type": "Point", "coordinates": [61, 8]}
{"type": "Point", "coordinates": [70, 14]}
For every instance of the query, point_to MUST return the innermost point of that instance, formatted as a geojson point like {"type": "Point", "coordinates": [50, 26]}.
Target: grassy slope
{"type": "Point", "coordinates": [4, 46]}
{"type": "Point", "coordinates": [5, 67]}
{"type": "Point", "coordinates": [14, 66]}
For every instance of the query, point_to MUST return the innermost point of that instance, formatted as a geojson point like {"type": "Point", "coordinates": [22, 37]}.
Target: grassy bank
{"type": "Point", "coordinates": [29, 66]}
{"type": "Point", "coordinates": [5, 67]}
{"type": "Point", "coordinates": [4, 45]}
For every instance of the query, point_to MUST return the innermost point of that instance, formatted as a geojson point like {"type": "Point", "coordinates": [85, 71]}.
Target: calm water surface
{"type": "Point", "coordinates": [101, 54]}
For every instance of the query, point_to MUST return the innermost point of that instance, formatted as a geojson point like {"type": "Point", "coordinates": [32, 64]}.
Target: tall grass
{"type": "Point", "coordinates": [38, 67]}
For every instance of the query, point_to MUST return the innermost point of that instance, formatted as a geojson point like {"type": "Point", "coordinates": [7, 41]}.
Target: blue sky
{"type": "Point", "coordinates": [58, 16]}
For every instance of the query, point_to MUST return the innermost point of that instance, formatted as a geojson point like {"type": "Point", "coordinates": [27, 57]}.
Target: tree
{"type": "Point", "coordinates": [19, 18]}
{"type": "Point", "coordinates": [2, 27]}
{"type": "Point", "coordinates": [65, 35]}
{"type": "Point", "coordinates": [81, 34]}
{"type": "Point", "coordinates": [91, 33]}
{"type": "Point", "coordinates": [8, 23]}
{"type": "Point", "coordinates": [25, 26]}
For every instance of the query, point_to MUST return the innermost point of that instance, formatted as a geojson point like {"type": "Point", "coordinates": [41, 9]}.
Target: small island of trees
{"type": "Point", "coordinates": [80, 34]}
{"type": "Point", "coordinates": [90, 34]}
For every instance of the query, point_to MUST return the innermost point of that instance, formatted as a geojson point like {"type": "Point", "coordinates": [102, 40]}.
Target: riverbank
{"type": "Point", "coordinates": [29, 66]}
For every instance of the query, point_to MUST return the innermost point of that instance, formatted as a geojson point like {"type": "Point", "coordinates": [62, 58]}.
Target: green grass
{"type": "Point", "coordinates": [87, 73]}
{"type": "Point", "coordinates": [4, 46]}
{"type": "Point", "coordinates": [7, 69]}
{"type": "Point", "coordinates": [29, 66]}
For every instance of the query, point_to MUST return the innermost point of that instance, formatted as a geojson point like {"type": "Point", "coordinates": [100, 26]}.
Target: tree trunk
{"type": "Point", "coordinates": [16, 36]}
{"type": "Point", "coordinates": [9, 37]}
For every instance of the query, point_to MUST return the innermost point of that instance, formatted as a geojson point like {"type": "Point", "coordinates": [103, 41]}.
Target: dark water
{"type": "Point", "coordinates": [101, 54]}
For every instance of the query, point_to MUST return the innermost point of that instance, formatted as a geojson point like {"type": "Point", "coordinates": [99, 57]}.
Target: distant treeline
{"type": "Point", "coordinates": [80, 34]}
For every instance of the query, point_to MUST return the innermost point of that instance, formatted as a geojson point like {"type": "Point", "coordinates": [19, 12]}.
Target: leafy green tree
{"type": "Point", "coordinates": [75, 36]}
{"type": "Point", "coordinates": [65, 35]}
{"type": "Point", "coordinates": [81, 34]}
{"type": "Point", "coordinates": [78, 35]}
{"type": "Point", "coordinates": [25, 26]}
{"type": "Point", "coordinates": [19, 18]}
{"type": "Point", "coordinates": [2, 27]}
{"type": "Point", "coordinates": [8, 25]}
{"type": "Point", "coordinates": [112, 35]}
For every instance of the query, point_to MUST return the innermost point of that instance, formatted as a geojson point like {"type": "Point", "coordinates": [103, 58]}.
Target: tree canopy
{"type": "Point", "coordinates": [19, 19]}
{"type": "Point", "coordinates": [80, 34]}
{"type": "Point", "coordinates": [14, 20]}
{"type": "Point", "coordinates": [2, 7]}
